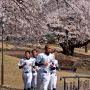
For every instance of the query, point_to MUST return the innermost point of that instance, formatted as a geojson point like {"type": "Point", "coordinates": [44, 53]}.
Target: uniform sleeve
{"type": "Point", "coordinates": [39, 60]}
{"type": "Point", "coordinates": [57, 65]}
{"type": "Point", "coordinates": [21, 62]}
{"type": "Point", "coordinates": [52, 57]}
{"type": "Point", "coordinates": [33, 62]}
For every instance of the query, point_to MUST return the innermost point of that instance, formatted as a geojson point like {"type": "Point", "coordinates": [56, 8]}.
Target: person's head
{"type": "Point", "coordinates": [48, 49]}
{"type": "Point", "coordinates": [53, 50]}
{"type": "Point", "coordinates": [34, 53]}
{"type": "Point", "coordinates": [27, 54]}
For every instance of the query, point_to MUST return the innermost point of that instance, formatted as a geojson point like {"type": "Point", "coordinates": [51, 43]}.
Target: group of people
{"type": "Point", "coordinates": [39, 70]}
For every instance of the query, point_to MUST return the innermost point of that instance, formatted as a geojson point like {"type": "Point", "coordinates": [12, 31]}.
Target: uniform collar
{"type": "Point", "coordinates": [47, 54]}
{"type": "Point", "coordinates": [27, 58]}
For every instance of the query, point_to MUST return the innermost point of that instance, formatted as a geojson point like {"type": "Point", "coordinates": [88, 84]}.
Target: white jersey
{"type": "Point", "coordinates": [44, 57]}
{"type": "Point", "coordinates": [35, 68]}
{"type": "Point", "coordinates": [55, 64]}
{"type": "Point", "coordinates": [33, 60]}
{"type": "Point", "coordinates": [28, 66]}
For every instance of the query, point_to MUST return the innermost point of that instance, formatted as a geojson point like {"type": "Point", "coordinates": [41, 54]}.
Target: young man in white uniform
{"type": "Point", "coordinates": [44, 59]}
{"type": "Point", "coordinates": [34, 70]}
{"type": "Point", "coordinates": [26, 66]}
{"type": "Point", "coordinates": [53, 78]}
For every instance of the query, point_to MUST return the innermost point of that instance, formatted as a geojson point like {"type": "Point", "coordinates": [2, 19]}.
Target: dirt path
{"type": "Point", "coordinates": [5, 88]}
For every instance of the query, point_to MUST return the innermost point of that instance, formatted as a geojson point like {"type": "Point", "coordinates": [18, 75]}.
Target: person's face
{"type": "Point", "coordinates": [34, 53]}
{"type": "Point", "coordinates": [27, 55]}
{"type": "Point", "coordinates": [48, 50]}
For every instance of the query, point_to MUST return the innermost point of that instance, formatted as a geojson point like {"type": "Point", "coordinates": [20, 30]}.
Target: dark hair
{"type": "Point", "coordinates": [47, 45]}
{"type": "Point", "coordinates": [34, 50]}
{"type": "Point", "coordinates": [27, 51]}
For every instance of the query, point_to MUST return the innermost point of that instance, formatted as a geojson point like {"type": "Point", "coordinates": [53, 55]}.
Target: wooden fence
{"type": "Point", "coordinates": [80, 83]}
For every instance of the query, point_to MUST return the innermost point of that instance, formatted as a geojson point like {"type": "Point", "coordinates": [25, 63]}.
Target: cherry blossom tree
{"type": "Point", "coordinates": [24, 19]}
{"type": "Point", "coordinates": [71, 22]}
{"type": "Point", "coordinates": [29, 20]}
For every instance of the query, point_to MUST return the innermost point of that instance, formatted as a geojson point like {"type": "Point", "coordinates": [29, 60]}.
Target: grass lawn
{"type": "Point", "coordinates": [9, 46]}
{"type": "Point", "coordinates": [13, 77]}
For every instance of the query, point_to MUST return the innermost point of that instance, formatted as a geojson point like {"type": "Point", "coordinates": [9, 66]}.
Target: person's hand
{"type": "Point", "coordinates": [46, 63]}
{"type": "Point", "coordinates": [51, 65]}
{"type": "Point", "coordinates": [22, 66]}
{"type": "Point", "coordinates": [34, 69]}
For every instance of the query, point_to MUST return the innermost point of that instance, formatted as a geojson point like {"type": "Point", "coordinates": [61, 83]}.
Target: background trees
{"type": "Point", "coordinates": [29, 20]}
{"type": "Point", "coordinates": [71, 22]}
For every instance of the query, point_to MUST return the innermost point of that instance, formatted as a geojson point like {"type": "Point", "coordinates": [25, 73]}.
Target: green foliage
{"type": "Point", "coordinates": [51, 38]}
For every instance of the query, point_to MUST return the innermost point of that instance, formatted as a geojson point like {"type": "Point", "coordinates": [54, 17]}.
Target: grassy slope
{"type": "Point", "coordinates": [10, 46]}
{"type": "Point", "coordinates": [12, 75]}
{"type": "Point", "coordinates": [6, 47]}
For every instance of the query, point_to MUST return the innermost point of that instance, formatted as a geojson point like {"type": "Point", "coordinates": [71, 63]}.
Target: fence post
{"type": "Point", "coordinates": [78, 83]}
{"type": "Point", "coordinates": [64, 83]}
{"type": "Point", "coordinates": [89, 83]}
{"type": "Point", "coordinates": [67, 86]}
{"type": "Point", "coordinates": [81, 85]}
{"type": "Point", "coordinates": [84, 86]}
{"type": "Point", "coordinates": [73, 85]}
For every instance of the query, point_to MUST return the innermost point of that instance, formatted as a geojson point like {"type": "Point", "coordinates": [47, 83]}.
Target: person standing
{"type": "Point", "coordinates": [53, 77]}
{"type": "Point", "coordinates": [44, 61]}
{"type": "Point", "coordinates": [34, 70]}
{"type": "Point", "coordinates": [26, 65]}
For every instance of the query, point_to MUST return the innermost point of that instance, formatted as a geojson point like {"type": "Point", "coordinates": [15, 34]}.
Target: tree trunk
{"type": "Point", "coordinates": [71, 49]}
{"type": "Point", "coordinates": [67, 50]}
{"type": "Point", "coordinates": [86, 49]}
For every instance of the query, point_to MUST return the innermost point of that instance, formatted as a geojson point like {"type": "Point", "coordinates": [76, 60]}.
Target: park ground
{"type": "Point", "coordinates": [12, 75]}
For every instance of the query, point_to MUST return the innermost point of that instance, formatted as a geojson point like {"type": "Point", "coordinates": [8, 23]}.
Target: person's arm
{"type": "Point", "coordinates": [38, 64]}
{"type": "Point", "coordinates": [54, 65]}
{"type": "Point", "coordinates": [57, 66]}
{"type": "Point", "coordinates": [39, 60]}
{"type": "Point", "coordinates": [21, 66]}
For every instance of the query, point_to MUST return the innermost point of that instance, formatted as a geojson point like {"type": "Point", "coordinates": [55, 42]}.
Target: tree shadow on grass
{"type": "Point", "coordinates": [18, 56]}
{"type": "Point", "coordinates": [81, 56]}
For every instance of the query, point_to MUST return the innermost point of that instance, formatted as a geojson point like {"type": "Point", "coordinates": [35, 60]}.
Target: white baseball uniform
{"type": "Point", "coordinates": [45, 70]}
{"type": "Point", "coordinates": [34, 75]}
{"type": "Point", "coordinates": [26, 72]}
{"type": "Point", "coordinates": [53, 78]}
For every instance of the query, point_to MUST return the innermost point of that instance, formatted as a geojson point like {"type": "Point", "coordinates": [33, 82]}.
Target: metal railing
{"type": "Point", "coordinates": [79, 85]}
